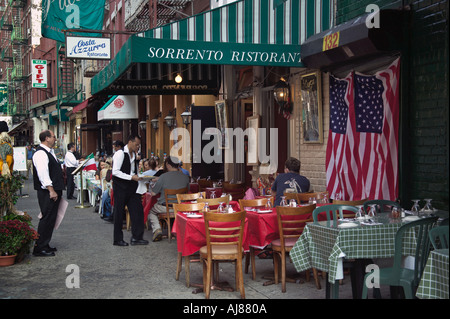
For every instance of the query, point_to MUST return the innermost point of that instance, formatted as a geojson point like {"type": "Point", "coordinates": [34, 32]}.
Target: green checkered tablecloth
{"type": "Point", "coordinates": [322, 245]}
{"type": "Point", "coordinates": [434, 282]}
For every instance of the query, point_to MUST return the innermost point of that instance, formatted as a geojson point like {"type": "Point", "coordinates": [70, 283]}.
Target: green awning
{"type": "Point", "coordinates": [246, 32]}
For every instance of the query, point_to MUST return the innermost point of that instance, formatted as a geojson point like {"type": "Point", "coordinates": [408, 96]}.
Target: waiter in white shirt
{"type": "Point", "coordinates": [49, 183]}
{"type": "Point", "coordinates": [71, 164]}
{"type": "Point", "coordinates": [125, 186]}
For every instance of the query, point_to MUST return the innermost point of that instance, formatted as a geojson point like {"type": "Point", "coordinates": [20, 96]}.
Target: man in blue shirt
{"type": "Point", "coordinates": [290, 179]}
{"type": "Point", "coordinates": [30, 153]}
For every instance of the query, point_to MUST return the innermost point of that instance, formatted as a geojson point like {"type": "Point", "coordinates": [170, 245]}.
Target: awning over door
{"type": "Point", "coordinates": [119, 107]}
{"type": "Point", "coordinates": [260, 34]}
{"type": "Point", "coordinates": [353, 41]}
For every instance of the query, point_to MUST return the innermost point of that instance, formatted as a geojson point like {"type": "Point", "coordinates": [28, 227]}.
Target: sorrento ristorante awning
{"type": "Point", "coordinates": [246, 32]}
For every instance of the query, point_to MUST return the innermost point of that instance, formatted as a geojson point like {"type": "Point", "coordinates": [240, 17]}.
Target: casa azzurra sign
{"type": "Point", "coordinates": [88, 48]}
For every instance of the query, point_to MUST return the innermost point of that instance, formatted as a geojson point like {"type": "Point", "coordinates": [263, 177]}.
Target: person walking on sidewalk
{"type": "Point", "coordinates": [71, 163]}
{"type": "Point", "coordinates": [49, 183]}
{"type": "Point", "coordinates": [125, 185]}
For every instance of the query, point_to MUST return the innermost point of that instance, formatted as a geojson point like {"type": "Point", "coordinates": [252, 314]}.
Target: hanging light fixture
{"type": "Point", "coordinates": [170, 119]}
{"type": "Point", "coordinates": [155, 121]}
{"type": "Point", "coordinates": [178, 78]}
{"type": "Point", "coordinates": [281, 92]}
{"type": "Point", "coordinates": [143, 125]}
{"type": "Point", "coordinates": [186, 115]}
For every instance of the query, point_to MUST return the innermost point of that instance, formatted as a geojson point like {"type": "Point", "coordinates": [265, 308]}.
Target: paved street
{"type": "Point", "coordinates": [133, 272]}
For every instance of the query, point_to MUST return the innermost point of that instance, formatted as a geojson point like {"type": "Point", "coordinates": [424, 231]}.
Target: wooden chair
{"type": "Point", "coordinates": [237, 191]}
{"type": "Point", "coordinates": [290, 228]}
{"type": "Point", "coordinates": [170, 197]}
{"type": "Point", "coordinates": [192, 207]}
{"type": "Point", "coordinates": [203, 184]}
{"type": "Point", "coordinates": [189, 197]}
{"type": "Point", "coordinates": [251, 203]}
{"type": "Point", "coordinates": [223, 243]}
{"type": "Point", "coordinates": [304, 197]}
{"type": "Point", "coordinates": [258, 202]}
{"type": "Point", "coordinates": [290, 196]}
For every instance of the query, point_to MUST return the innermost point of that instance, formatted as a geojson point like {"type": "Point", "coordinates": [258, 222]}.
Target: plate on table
{"type": "Point", "coordinates": [250, 209]}
{"type": "Point", "coordinates": [370, 223]}
{"type": "Point", "coordinates": [193, 216]}
{"type": "Point", "coordinates": [410, 218]}
{"type": "Point", "coordinates": [263, 211]}
{"type": "Point", "coordinates": [348, 225]}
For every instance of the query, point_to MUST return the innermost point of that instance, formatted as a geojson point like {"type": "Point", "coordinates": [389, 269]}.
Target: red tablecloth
{"type": "Point", "coordinates": [263, 228]}
{"type": "Point", "coordinates": [191, 234]}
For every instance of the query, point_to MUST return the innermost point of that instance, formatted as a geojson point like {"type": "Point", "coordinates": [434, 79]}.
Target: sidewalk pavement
{"type": "Point", "coordinates": [84, 243]}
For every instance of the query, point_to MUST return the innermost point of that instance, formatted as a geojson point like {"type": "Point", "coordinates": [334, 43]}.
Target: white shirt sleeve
{"type": "Point", "coordinates": [70, 160]}
{"type": "Point", "coordinates": [117, 164]}
{"type": "Point", "coordinates": [40, 161]}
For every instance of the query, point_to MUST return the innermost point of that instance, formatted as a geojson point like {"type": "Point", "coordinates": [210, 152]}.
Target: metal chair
{"type": "Point", "coordinates": [397, 275]}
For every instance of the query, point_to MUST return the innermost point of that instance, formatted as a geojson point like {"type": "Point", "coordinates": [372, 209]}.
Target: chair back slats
{"type": "Point", "coordinates": [258, 202]}
{"type": "Point", "coordinates": [204, 183]}
{"type": "Point", "coordinates": [214, 201]}
{"type": "Point", "coordinates": [289, 223]}
{"type": "Point", "coordinates": [226, 233]}
{"type": "Point", "coordinates": [170, 195]}
{"type": "Point", "coordinates": [189, 197]}
{"type": "Point", "coordinates": [439, 237]}
{"type": "Point", "coordinates": [188, 207]}
{"type": "Point", "coordinates": [304, 197]}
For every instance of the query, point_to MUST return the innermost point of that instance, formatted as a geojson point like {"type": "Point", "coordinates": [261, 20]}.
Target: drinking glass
{"type": "Point", "coordinates": [220, 209]}
{"type": "Point", "coordinates": [283, 201]}
{"type": "Point", "coordinates": [415, 208]}
{"type": "Point", "coordinates": [395, 213]}
{"type": "Point", "coordinates": [268, 205]}
{"type": "Point", "coordinates": [312, 200]}
{"type": "Point", "coordinates": [360, 213]}
{"type": "Point", "coordinates": [206, 207]}
{"type": "Point", "coordinates": [293, 203]}
{"type": "Point", "coordinates": [213, 194]}
{"type": "Point", "coordinates": [373, 212]}
{"type": "Point", "coordinates": [428, 209]}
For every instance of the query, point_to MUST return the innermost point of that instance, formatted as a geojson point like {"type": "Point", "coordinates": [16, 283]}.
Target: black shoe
{"type": "Point", "coordinates": [48, 248]}
{"type": "Point", "coordinates": [139, 241]}
{"type": "Point", "coordinates": [71, 197]}
{"type": "Point", "coordinates": [43, 253]}
{"type": "Point", "coordinates": [120, 243]}
{"type": "Point", "coordinates": [108, 219]}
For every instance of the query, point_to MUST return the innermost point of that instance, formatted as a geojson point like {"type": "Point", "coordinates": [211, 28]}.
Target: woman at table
{"type": "Point", "coordinates": [150, 167]}
{"type": "Point", "coordinates": [290, 179]}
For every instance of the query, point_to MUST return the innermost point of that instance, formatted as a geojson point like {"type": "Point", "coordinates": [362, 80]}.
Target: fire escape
{"type": "Point", "coordinates": [12, 49]}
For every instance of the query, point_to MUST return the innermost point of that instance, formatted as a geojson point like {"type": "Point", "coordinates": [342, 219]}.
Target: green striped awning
{"type": "Point", "coordinates": [246, 32]}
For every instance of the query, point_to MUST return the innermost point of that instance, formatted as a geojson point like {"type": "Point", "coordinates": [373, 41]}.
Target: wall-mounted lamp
{"type": "Point", "coordinates": [178, 78]}
{"type": "Point", "coordinates": [186, 115]}
{"type": "Point", "coordinates": [170, 119]}
{"type": "Point", "coordinates": [143, 125]}
{"type": "Point", "coordinates": [281, 92]}
{"type": "Point", "coordinates": [155, 121]}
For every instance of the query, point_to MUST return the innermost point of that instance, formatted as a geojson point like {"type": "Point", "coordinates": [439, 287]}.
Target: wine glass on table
{"type": "Point", "coordinates": [415, 208]}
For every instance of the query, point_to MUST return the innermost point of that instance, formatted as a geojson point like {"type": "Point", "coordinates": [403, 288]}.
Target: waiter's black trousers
{"type": "Point", "coordinates": [49, 210]}
{"type": "Point", "coordinates": [134, 203]}
{"type": "Point", "coordinates": [70, 182]}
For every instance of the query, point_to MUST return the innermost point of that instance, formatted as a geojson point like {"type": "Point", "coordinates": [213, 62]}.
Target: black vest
{"type": "Point", "coordinates": [55, 172]}
{"type": "Point", "coordinates": [123, 184]}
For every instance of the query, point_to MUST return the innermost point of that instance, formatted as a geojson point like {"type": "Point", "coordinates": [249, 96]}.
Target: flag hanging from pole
{"type": "Point", "coordinates": [362, 150]}
{"type": "Point", "coordinates": [90, 164]}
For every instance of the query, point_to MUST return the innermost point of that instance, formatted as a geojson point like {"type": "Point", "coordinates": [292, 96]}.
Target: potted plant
{"type": "Point", "coordinates": [9, 187]}
{"type": "Point", "coordinates": [16, 237]}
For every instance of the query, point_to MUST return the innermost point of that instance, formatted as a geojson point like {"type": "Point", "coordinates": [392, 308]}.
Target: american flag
{"type": "Point", "coordinates": [362, 150]}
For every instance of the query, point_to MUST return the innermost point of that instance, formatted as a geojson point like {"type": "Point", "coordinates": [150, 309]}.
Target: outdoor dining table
{"type": "Point", "coordinates": [324, 244]}
{"type": "Point", "coordinates": [434, 282]}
